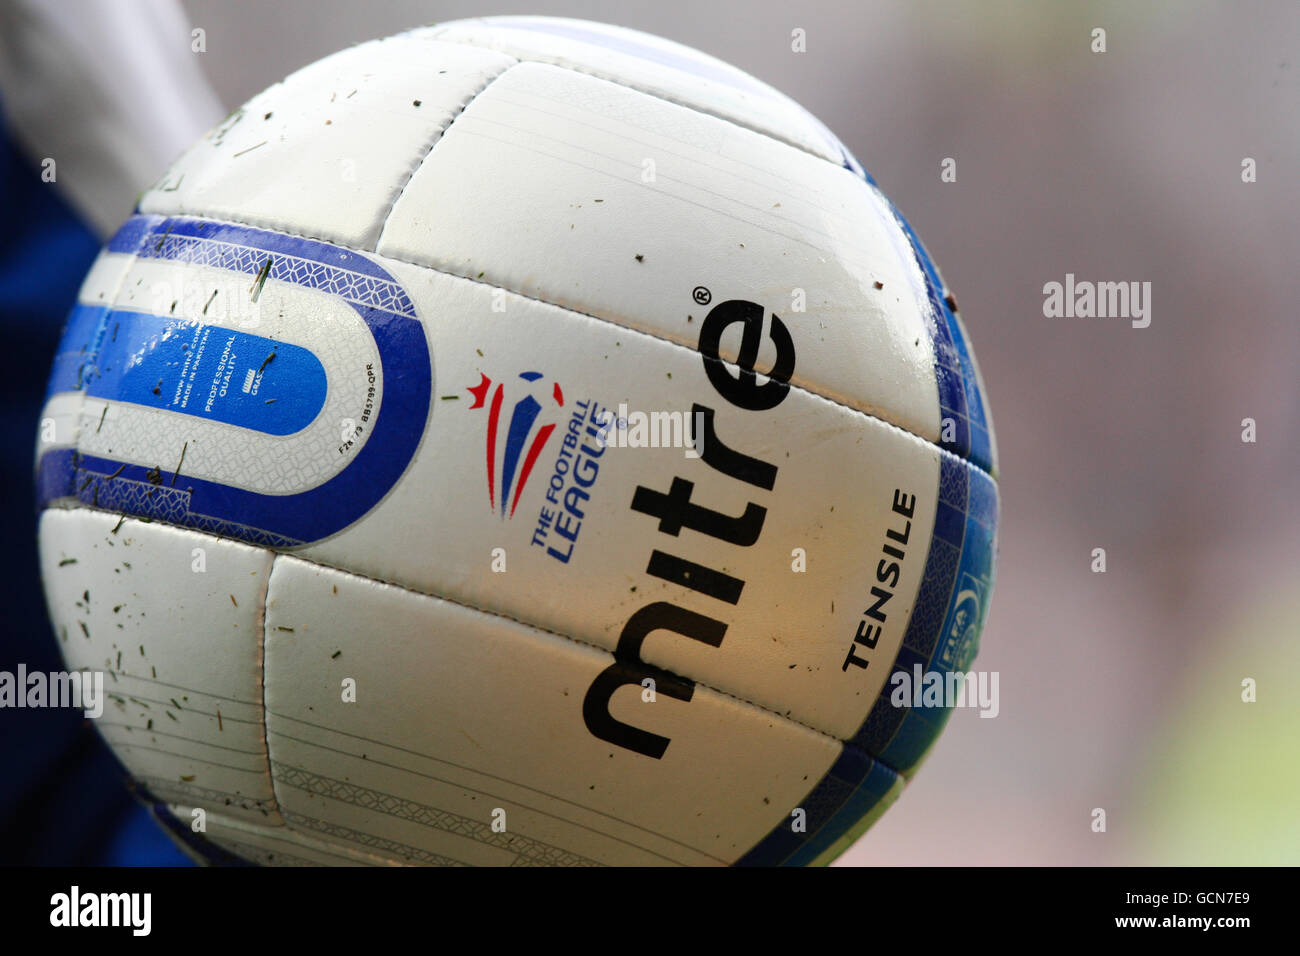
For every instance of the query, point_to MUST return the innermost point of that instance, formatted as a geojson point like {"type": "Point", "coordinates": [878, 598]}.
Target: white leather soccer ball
{"type": "Point", "coordinates": [517, 441]}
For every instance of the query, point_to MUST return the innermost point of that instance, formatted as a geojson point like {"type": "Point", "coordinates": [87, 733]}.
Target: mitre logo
{"type": "Point", "coordinates": [516, 439]}
{"type": "Point", "coordinates": [675, 571]}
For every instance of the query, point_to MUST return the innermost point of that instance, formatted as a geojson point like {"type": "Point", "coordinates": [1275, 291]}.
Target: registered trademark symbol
{"type": "Point", "coordinates": [702, 295]}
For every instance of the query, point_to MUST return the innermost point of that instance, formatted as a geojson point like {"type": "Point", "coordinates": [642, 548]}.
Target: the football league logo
{"type": "Point", "coordinates": [521, 443]}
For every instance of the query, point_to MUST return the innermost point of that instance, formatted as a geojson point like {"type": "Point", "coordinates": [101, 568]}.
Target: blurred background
{"type": "Point", "coordinates": [1119, 690]}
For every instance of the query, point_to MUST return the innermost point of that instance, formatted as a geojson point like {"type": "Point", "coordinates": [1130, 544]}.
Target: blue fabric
{"type": "Point", "coordinates": [63, 796]}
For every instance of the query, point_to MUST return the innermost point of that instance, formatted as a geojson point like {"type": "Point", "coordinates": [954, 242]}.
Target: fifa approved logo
{"type": "Point", "coordinates": [512, 453]}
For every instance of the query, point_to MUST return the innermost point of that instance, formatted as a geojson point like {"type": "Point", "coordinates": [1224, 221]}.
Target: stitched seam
{"type": "Point", "coordinates": [666, 98]}
{"type": "Point", "coordinates": [459, 602]}
{"type": "Point", "coordinates": [388, 213]}
{"type": "Point", "coordinates": [266, 710]}
{"type": "Point", "coordinates": [876, 415]}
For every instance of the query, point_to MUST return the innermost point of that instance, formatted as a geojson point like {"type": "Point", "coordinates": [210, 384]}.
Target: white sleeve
{"type": "Point", "coordinates": [110, 91]}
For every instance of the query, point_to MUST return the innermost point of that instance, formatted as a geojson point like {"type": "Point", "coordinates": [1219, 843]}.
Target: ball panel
{"type": "Point", "coordinates": [736, 213]}
{"type": "Point", "coordinates": [466, 697]}
{"type": "Point", "coordinates": [173, 619]}
{"type": "Point", "coordinates": [351, 127]}
{"type": "Point", "coordinates": [653, 65]}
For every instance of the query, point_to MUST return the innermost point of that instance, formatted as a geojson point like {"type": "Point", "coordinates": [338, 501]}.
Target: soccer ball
{"type": "Point", "coordinates": [516, 441]}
